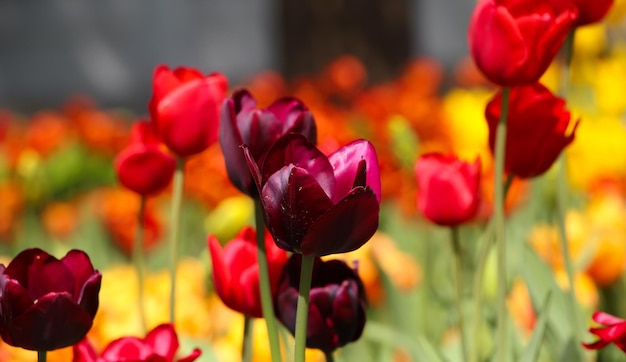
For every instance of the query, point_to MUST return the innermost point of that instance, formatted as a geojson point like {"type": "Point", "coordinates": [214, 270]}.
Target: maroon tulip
{"type": "Point", "coordinates": [46, 303]}
{"type": "Point", "coordinates": [143, 166]}
{"type": "Point", "coordinates": [185, 108]}
{"type": "Point", "coordinates": [612, 331]}
{"type": "Point", "coordinates": [538, 129]}
{"type": "Point", "coordinates": [236, 271]}
{"type": "Point", "coordinates": [337, 303]}
{"type": "Point", "coordinates": [449, 189]}
{"type": "Point", "coordinates": [318, 205]}
{"type": "Point", "coordinates": [589, 11]}
{"type": "Point", "coordinates": [514, 41]}
{"type": "Point", "coordinates": [160, 345]}
{"type": "Point", "coordinates": [243, 123]}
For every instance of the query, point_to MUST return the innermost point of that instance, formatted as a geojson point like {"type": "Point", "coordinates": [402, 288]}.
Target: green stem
{"type": "Point", "coordinates": [177, 199]}
{"type": "Point", "coordinates": [458, 268]}
{"type": "Point", "coordinates": [562, 191]}
{"type": "Point", "coordinates": [41, 356]}
{"type": "Point", "coordinates": [477, 288]}
{"type": "Point", "coordinates": [302, 314]}
{"type": "Point", "coordinates": [498, 208]}
{"type": "Point", "coordinates": [329, 357]}
{"type": "Point", "coordinates": [246, 345]}
{"type": "Point", "coordinates": [264, 283]}
{"type": "Point", "coordinates": [138, 259]}
{"type": "Point", "coordinates": [567, 54]}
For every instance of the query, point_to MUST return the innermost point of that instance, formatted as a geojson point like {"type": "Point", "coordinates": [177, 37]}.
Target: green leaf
{"type": "Point", "coordinates": [531, 353]}
{"type": "Point", "coordinates": [540, 281]}
{"type": "Point", "coordinates": [419, 347]}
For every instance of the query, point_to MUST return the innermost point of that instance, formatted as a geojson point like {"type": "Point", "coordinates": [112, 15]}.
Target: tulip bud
{"type": "Point", "coordinates": [337, 303]}
{"type": "Point", "coordinates": [47, 303]}
{"type": "Point", "coordinates": [143, 166]}
{"type": "Point", "coordinates": [514, 42]}
{"type": "Point", "coordinates": [185, 107]}
{"type": "Point", "coordinates": [449, 189]}
{"type": "Point", "coordinates": [538, 129]}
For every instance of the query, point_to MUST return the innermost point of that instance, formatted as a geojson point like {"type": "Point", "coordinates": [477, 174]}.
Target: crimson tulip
{"type": "Point", "coordinates": [449, 189]}
{"type": "Point", "coordinates": [236, 271]}
{"type": "Point", "coordinates": [612, 331]}
{"type": "Point", "coordinates": [318, 205]}
{"type": "Point", "coordinates": [47, 303]}
{"type": "Point", "coordinates": [337, 303]}
{"type": "Point", "coordinates": [514, 41]}
{"type": "Point", "coordinates": [143, 166]}
{"type": "Point", "coordinates": [538, 129]}
{"type": "Point", "coordinates": [243, 123]}
{"type": "Point", "coordinates": [185, 107]}
{"type": "Point", "coordinates": [160, 345]}
{"type": "Point", "coordinates": [589, 11]}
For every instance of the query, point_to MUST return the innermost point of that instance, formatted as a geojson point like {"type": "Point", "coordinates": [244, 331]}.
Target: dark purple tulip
{"type": "Point", "coordinates": [336, 306]}
{"type": "Point", "coordinates": [46, 303]}
{"type": "Point", "coordinates": [318, 205]}
{"type": "Point", "coordinates": [243, 123]}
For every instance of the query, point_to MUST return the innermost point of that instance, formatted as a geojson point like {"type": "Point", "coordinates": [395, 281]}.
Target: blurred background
{"type": "Point", "coordinates": [51, 50]}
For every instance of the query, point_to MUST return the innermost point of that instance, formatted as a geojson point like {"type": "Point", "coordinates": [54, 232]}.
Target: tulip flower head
{"type": "Point", "coordinates": [449, 189]}
{"type": "Point", "coordinates": [47, 303]}
{"type": "Point", "coordinates": [243, 123]}
{"type": "Point", "coordinates": [612, 331]}
{"type": "Point", "coordinates": [143, 166]}
{"type": "Point", "coordinates": [514, 41]}
{"type": "Point", "coordinates": [589, 11]}
{"type": "Point", "coordinates": [236, 271]}
{"type": "Point", "coordinates": [316, 204]}
{"type": "Point", "coordinates": [185, 107]}
{"type": "Point", "coordinates": [337, 303]}
{"type": "Point", "coordinates": [160, 345]}
{"type": "Point", "coordinates": [538, 129]}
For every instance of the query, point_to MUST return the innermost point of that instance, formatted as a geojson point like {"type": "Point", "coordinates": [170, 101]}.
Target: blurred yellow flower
{"type": "Point", "coordinates": [598, 152]}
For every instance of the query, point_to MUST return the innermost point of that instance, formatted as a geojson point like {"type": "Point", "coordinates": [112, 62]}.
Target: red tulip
{"type": "Point", "coordinates": [589, 11]}
{"type": "Point", "coordinates": [538, 129]}
{"type": "Point", "coordinates": [185, 108]}
{"type": "Point", "coordinates": [337, 303]}
{"type": "Point", "coordinates": [160, 345]}
{"type": "Point", "coordinates": [46, 303]}
{"type": "Point", "coordinates": [514, 41]}
{"type": "Point", "coordinates": [318, 205]}
{"type": "Point", "coordinates": [143, 166]}
{"type": "Point", "coordinates": [243, 123]}
{"type": "Point", "coordinates": [449, 189]}
{"type": "Point", "coordinates": [236, 271]}
{"type": "Point", "coordinates": [612, 331]}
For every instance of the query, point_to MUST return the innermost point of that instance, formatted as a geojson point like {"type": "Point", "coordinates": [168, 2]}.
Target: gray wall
{"type": "Point", "coordinates": [107, 49]}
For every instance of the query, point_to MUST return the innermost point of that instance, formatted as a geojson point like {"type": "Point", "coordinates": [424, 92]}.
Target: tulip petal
{"type": "Point", "coordinates": [345, 227]}
{"type": "Point", "coordinates": [293, 201]}
{"type": "Point", "coordinates": [79, 264]}
{"type": "Point", "coordinates": [192, 356]}
{"type": "Point", "coordinates": [89, 294]}
{"type": "Point", "coordinates": [163, 82]}
{"type": "Point", "coordinates": [606, 319]}
{"type": "Point", "coordinates": [221, 272]}
{"type": "Point", "coordinates": [55, 321]}
{"type": "Point", "coordinates": [163, 341]}
{"type": "Point", "coordinates": [127, 349]}
{"type": "Point", "coordinates": [14, 299]}
{"type": "Point", "coordinates": [495, 42]}
{"type": "Point", "coordinates": [231, 142]}
{"type": "Point", "coordinates": [295, 149]}
{"type": "Point", "coordinates": [46, 275]}
{"type": "Point", "coordinates": [345, 162]}
{"type": "Point", "coordinates": [188, 117]}
{"type": "Point", "coordinates": [83, 352]}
